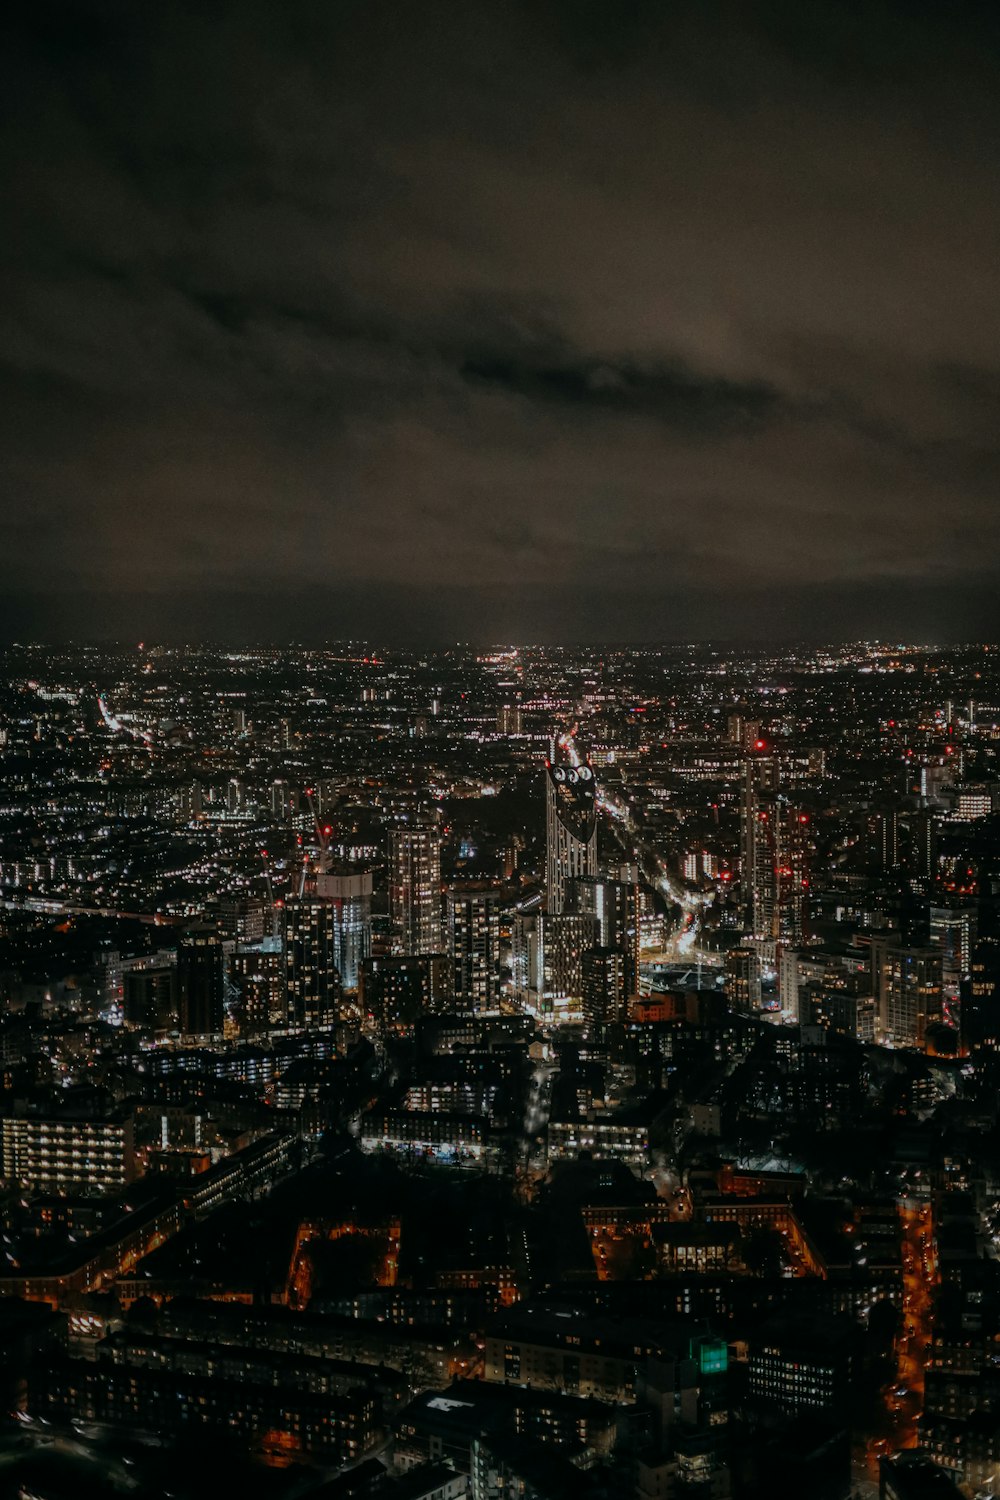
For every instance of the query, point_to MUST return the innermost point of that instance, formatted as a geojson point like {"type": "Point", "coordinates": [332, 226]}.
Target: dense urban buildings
{"type": "Point", "coordinates": [507, 1073]}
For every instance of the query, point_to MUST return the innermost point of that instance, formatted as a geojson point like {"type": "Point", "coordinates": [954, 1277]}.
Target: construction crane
{"type": "Point", "coordinates": [323, 831]}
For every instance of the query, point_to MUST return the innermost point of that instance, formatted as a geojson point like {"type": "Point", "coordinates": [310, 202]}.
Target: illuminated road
{"type": "Point", "coordinates": [692, 902]}
{"type": "Point", "coordinates": [904, 1399]}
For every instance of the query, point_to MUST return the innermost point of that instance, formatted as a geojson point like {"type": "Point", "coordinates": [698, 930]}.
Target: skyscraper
{"type": "Point", "coordinates": [614, 905]}
{"type": "Point", "coordinates": [773, 848]}
{"type": "Point", "coordinates": [474, 945]}
{"type": "Point", "coordinates": [570, 830]}
{"type": "Point", "coordinates": [200, 981]}
{"type": "Point", "coordinates": [312, 981]}
{"type": "Point", "coordinates": [908, 986]}
{"type": "Point", "coordinates": [349, 893]}
{"type": "Point", "coordinates": [415, 889]}
{"type": "Point", "coordinates": [603, 981]}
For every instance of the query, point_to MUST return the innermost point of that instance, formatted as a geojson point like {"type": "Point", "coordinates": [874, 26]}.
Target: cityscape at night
{"type": "Point", "coordinates": [530, 1071]}
{"type": "Point", "coordinates": [500, 750]}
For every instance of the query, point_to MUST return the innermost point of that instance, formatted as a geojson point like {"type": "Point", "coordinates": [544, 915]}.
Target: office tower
{"type": "Point", "coordinates": [396, 992]}
{"type": "Point", "coordinates": [774, 846]}
{"type": "Point", "coordinates": [235, 795]}
{"type": "Point", "coordinates": [614, 905]}
{"type": "Point", "coordinates": [312, 982]}
{"type": "Point", "coordinates": [415, 889]}
{"type": "Point", "coordinates": [604, 986]}
{"type": "Point", "coordinates": [570, 829]}
{"type": "Point", "coordinates": [151, 998]}
{"type": "Point", "coordinates": [473, 923]}
{"type": "Point", "coordinates": [743, 980]}
{"type": "Point", "coordinates": [200, 982]}
{"type": "Point", "coordinates": [349, 893]}
{"type": "Point", "coordinates": [908, 986]}
{"type": "Point", "coordinates": [953, 931]}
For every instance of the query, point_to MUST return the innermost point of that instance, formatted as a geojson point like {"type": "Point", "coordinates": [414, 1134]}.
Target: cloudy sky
{"type": "Point", "coordinates": [424, 320]}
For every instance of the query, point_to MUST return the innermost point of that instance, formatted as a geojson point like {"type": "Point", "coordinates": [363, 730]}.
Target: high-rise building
{"type": "Point", "coordinates": [244, 919]}
{"type": "Point", "coordinates": [773, 840]}
{"type": "Point", "coordinates": [570, 829]}
{"type": "Point", "coordinates": [604, 986]}
{"type": "Point", "coordinates": [258, 976]}
{"type": "Point", "coordinates": [743, 980]}
{"type": "Point", "coordinates": [909, 989]}
{"type": "Point", "coordinates": [614, 905]}
{"type": "Point", "coordinates": [509, 719]}
{"type": "Point", "coordinates": [397, 992]}
{"type": "Point", "coordinates": [473, 920]}
{"type": "Point", "coordinates": [151, 998]}
{"type": "Point", "coordinates": [548, 958]}
{"type": "Point", "coordinates": [415, 889]}
{"type": "Point", "coordinates": [312, 980]}
{"type": "Point", "coordinates": [200, 981]}
{"type": "Point", "coordinates": [350, 895]}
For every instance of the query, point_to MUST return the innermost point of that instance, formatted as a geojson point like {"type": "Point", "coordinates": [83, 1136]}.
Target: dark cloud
{"type": "Point", "coordinates": [501, 319]}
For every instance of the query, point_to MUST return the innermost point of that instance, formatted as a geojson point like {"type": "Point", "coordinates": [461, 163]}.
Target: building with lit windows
{"type": "Point", "coordinates": [63, 1155]}
{"type": "Point", "coordinates": [798, 1367]}
{"type": "Point", "coordinates": [909, 988]}
{"type": "Point", "coordinates": [350, 896]}
{"type": "Point", "coordinates": [570, 830]}
{"type": "Point", "coordinates": [415, 889]}
{"type": "Point", "coordinates": [312, 980]}
{"type": "Point", "coordinates": [473, 926]}
{"type": "Point", "coordinates": [397, 992]}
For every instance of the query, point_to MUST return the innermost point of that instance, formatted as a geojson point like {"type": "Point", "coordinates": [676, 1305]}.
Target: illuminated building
{"type": "Point", "coordinates": [953, 930]}
{"type": "Point", "coordinates": [411, 1132]}
{"type": "Point", "coordinates": [473, 924]}
{"type": "Point", "coordinates": [773, 847]}
{"type": "Point", "coordinates": [312, 981]}
{"type": "Point", "coordinates": [614, 906]}
{"type": "Point", "coordinates": [797, 1367]}
{"type": "Point", "coordinates": [349, 893]}
{"type": "Point", "coordinates": [398, 991]}
{"type": "Point", "coordinates": [66, 1154]}
{"type": "Point", "coordinates": [548, 954]}
{"type": "Point", "coordinates": [743, 979]}
{"type": "Point", "coordinates": [909, 990]}
{"type": "Point", "coordinates": [509, 719]}
{"type": "Point", "coordinates": [415, 889]}
{"type": "Point", "coordinates": [258, 975]}
{"type": "Point", "coordinates": [570, 830]}
{"type": "Point", "coordinates": [603, 985]}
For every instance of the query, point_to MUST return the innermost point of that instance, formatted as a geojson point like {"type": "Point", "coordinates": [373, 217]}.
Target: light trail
{"type": "Point", "coordinates": [119, 726]}
{"type": "Point", "coordinates": [692, 903]}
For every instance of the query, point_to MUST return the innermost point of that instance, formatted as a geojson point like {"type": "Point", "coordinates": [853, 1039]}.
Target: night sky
{"type": "Point", "coordinates": [531, 321]}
